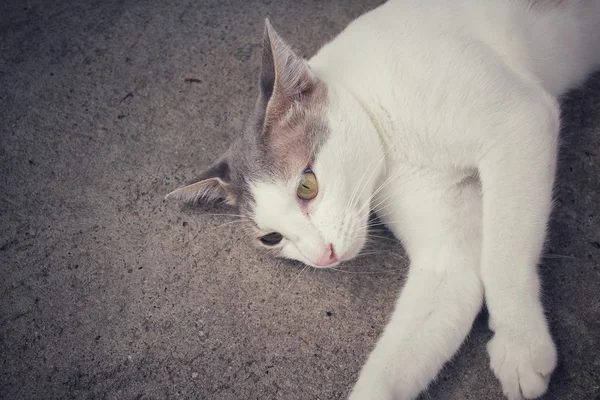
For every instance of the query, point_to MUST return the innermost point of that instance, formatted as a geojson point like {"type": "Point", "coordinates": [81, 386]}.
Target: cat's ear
{"type": "Point", "coordinates": [213, 184]}
{"type": "Point", "coordinates": [283, 74]}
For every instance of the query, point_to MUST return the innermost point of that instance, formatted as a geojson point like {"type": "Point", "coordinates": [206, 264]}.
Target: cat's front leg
{"type": "Point", "coordinates": [440, 227]}
{"type": "Point", "coordinates": [517, 174]}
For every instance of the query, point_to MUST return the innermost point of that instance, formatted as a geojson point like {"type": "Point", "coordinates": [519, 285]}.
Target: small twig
{"type": "Point", "coordinates": [128, 95]}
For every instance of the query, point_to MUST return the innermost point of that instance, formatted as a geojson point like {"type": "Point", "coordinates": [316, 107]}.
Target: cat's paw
{"type": "Point", "coordinates": [523, 363]}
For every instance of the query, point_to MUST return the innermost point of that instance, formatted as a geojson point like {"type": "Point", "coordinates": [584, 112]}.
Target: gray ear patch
{"type": "Point", "coordinates": [213, 184]}
{"type": "Point", "coordinates": [294, 104]}
{"type": "Point", "coordinates": [208, 189]}
{"type": "Point", "coordinates": [283, 73]}
{"type": "Point", "coordinates": [280, 138]}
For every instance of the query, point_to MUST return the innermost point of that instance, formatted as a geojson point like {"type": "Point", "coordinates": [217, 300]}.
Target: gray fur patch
{"type": "Point", "coordinates": [281, 137]}
{"type": "Point", "coordinates": [287, 125]}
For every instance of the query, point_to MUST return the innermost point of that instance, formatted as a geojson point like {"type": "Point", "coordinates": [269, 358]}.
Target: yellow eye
{"type": "Point", "coordinates": [308, 187]}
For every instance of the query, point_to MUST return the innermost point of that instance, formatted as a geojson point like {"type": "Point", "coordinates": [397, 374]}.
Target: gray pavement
{"type": "Point", "coordinates": [109, 292]}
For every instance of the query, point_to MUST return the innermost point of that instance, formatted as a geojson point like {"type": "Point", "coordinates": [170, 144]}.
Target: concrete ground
{"type": "Point", "coordinates": [109, 292]}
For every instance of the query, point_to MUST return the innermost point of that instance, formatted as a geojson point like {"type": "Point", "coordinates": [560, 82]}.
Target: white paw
{"type": "Point", "coordinates": [523, 363]}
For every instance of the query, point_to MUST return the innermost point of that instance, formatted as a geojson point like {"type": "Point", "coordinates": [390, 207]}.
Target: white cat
{"type": "Point", "coordinates": [442, 117]}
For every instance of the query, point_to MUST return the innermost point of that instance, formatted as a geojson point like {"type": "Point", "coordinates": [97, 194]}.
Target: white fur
{"type": "Point", "coordinates": [444, 119]}
{"type": "Point", "coordinates": [339, 213]}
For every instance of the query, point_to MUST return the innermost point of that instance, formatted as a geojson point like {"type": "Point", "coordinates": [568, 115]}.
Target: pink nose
{"type": "Point", "coordinates": [328, 257]}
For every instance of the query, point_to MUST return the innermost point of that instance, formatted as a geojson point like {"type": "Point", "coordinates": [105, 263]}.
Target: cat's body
{"type": "Point", "coordinates": [442, 117]}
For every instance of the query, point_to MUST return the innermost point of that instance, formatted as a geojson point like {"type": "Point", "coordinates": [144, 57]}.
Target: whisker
{"type": "Point", "coordinates": [558, 256]}
{"type": "Point", "coordinates": [383, 223]}
{"type": "Point", "coordinates": [386, 238]}
{"type": "Point", "coordinates": [379, 230]}
{"type": "Point", "coordinates": [296, 278]}
{"type": "Point", "coordinates": [378, 209]}
{"type": "Point", "coordinates": [391, 178]}
{"type": "Point", "coordinates": [371, 176]}
{"type": "Point", "coordinates": [357, 266]}
{"type": "Point", "coordinates": [359, 184]}
{"type": "Point", "coordinates": [375, 192]}
{"type": "Point", "coordinates": [359, 272]}
{"type": "Point", "coordinates": [366, 227]}
{"type": "Point", "coordinates": [380, 252]}
{"type": "Point", "coordinates": [227, 223]}
{"type": "Point", "coordinates": [226, 215]}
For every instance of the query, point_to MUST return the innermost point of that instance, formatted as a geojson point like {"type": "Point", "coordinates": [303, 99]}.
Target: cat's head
{"type": "Point", "coordinates": [304, 167]}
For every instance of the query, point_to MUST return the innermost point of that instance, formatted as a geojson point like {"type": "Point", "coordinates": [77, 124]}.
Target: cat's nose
{"type": "Point", "coordinates": [328, 257]}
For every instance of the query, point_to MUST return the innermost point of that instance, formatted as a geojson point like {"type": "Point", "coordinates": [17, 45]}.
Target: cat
{"type": "Point", "coordinates": [442, 117]}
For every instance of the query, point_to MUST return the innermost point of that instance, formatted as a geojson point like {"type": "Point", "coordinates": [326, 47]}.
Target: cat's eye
{"type": "Point", "coordinates": [271, 239]}
{"type": "Point", "coordinates": [308, 187]}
